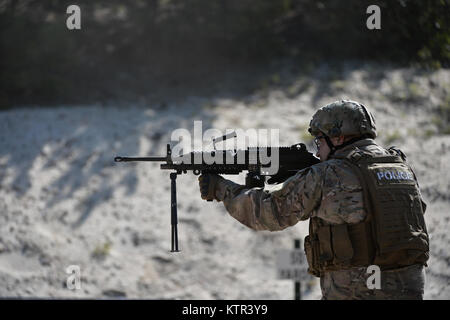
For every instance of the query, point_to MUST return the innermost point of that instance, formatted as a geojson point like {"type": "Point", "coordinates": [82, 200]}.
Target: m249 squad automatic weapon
{"type": "Point", "coordinates": [289, 161]}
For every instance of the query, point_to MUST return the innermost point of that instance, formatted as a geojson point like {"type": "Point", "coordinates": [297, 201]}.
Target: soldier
{"type": "Point", "coordinates": [363, 203]}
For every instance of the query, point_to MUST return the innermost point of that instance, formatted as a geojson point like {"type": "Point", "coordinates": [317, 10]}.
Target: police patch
{"type": "Point", "coordinates": [393, 175]}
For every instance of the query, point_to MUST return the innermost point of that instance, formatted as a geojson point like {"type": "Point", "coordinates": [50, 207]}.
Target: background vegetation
{"type": "Point", "coordinates": [126, 47]}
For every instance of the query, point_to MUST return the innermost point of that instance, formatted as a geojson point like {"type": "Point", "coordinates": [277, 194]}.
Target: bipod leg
{"type": "Point", "coordinates": [173, 205]}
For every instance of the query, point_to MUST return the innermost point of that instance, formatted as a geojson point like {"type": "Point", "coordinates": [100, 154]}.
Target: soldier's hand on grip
{"type": "Point", "coordinates": [207, 183]}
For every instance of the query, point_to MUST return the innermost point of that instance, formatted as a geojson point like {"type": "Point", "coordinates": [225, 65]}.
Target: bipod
{"type": "Point", "coordinates": [174, 216]}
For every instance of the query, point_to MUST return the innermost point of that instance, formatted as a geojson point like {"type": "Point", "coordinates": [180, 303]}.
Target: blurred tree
{"type": "Point", "coordinates": [43, 62]}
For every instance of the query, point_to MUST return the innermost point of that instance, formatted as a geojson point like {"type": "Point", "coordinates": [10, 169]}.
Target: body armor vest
{"type": "Point", "coordinates": [393, 233]}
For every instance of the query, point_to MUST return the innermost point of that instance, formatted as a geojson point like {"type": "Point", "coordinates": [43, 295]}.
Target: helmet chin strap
{"type": "Point", "coordinates": [330, 145]}
{"type": "Point", "coordinates": [333, 148]}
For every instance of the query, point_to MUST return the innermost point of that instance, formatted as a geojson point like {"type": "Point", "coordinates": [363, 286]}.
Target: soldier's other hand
{"type": "Point", "coordinates": [208, 183]}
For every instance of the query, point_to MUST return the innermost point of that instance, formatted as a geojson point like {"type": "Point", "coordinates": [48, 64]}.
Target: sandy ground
{"type": "Point", "coordinates": [64, 202]}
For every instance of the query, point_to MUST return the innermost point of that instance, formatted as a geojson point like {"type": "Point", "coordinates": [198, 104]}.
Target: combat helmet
{"type": "Point", "coordinates": [344, 117]}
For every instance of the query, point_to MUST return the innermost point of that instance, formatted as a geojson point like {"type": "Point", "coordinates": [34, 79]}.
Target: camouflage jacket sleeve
{"type": "Point", "coordinates": [276, 207]}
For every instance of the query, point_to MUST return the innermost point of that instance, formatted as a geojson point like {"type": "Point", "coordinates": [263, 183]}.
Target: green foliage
{"type": "Point", "coordinates": [101, 251]}
{"type": "Point", "coordinates": [305, 136]}
{"type": "Point", "coordinates": [442, 117]}
{"type": "Point", "coordinates": [428, 133]}
{"type": "Point", "coordinates": [392, 137]}
{"type": "Point", "coordinates": [43, 62]}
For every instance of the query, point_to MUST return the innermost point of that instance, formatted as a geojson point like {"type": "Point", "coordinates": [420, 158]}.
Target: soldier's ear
{"type": "Point", "coordinates": [338, 140]}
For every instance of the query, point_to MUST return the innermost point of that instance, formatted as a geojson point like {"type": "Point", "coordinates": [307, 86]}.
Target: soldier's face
{"type": "Point", "coordinates": [322, 149]}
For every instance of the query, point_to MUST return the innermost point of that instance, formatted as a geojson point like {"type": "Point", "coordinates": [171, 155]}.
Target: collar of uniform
{"type": "Point", "coordinates": [357, 144]}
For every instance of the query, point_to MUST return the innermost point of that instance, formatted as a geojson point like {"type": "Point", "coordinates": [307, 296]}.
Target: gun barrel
{"type": "Point", "coordinates": [127, 159]}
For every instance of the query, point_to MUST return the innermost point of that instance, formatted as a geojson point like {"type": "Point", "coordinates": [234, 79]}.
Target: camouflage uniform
{"type": "Point", "coordinates": [330, 191]}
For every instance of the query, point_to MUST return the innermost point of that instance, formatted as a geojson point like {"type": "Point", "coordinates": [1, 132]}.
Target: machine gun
{"type": "Point", "coordinates": [290, 161]}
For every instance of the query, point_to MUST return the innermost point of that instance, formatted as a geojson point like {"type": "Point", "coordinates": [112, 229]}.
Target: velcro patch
{"type": "Point", "coordinates": [390, 174]}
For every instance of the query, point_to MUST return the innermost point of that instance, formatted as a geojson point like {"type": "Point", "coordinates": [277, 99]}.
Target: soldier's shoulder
{"type": "Point", "coordinates": [330, 163]}
{"type": "Point", "coordinates": [397, 152]}
{"type": "Point", "coordinates": [319, 167]}
{"type": "Point", "coordinates": [331, 166]}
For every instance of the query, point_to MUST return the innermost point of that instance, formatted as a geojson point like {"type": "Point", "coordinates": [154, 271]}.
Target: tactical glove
{"type": "Point", "coordinates": [208, 183]}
